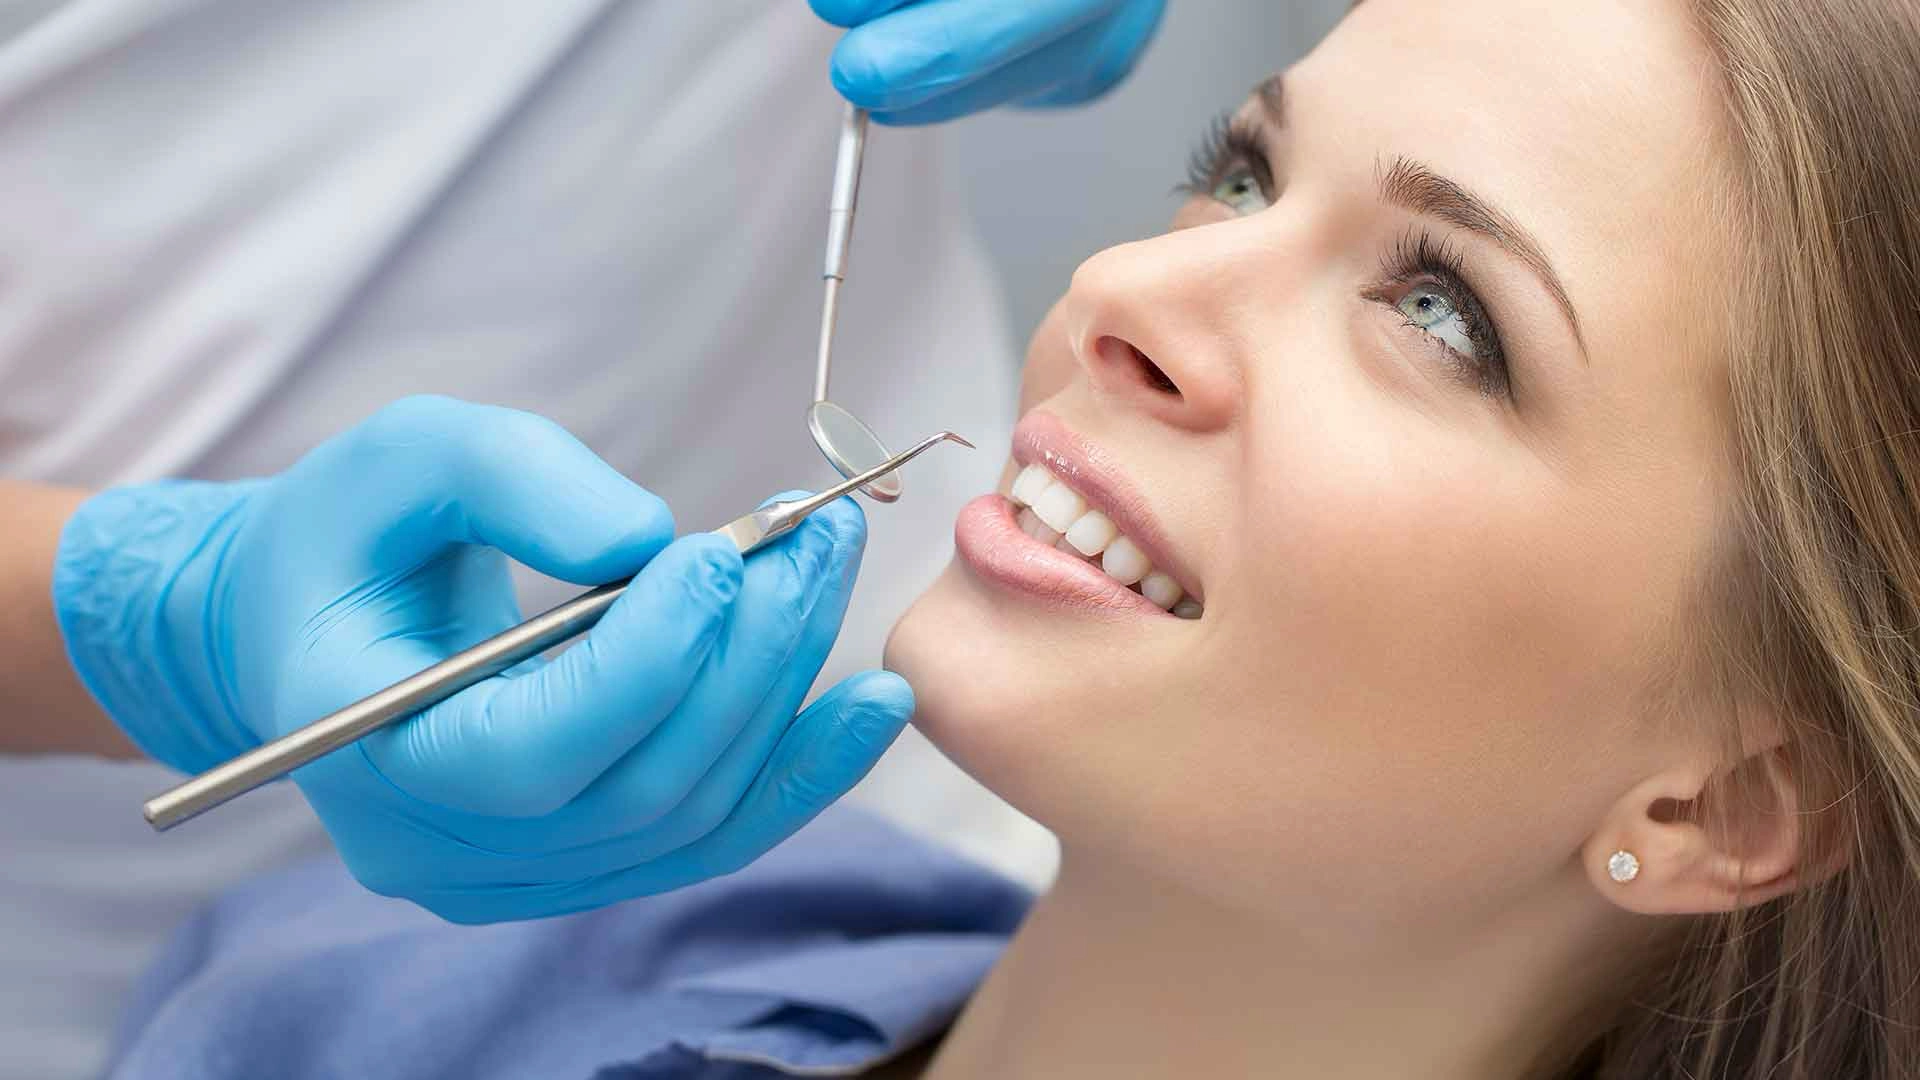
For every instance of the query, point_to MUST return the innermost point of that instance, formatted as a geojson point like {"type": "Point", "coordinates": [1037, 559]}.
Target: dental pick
{"type": "Point", "coordinates": [275, 759]}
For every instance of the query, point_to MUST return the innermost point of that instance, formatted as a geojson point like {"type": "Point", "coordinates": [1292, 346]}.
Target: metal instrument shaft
{"type": "Point", "coordinates": [840, 212]}
{"type": "Point", "coordinates": [555, 626]}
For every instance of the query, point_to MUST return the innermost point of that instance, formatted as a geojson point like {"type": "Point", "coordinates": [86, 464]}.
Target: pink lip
{"type": "Point", "coordinates": [991, 542]}
{"type": "Point", "coordinates": [1043, 437]}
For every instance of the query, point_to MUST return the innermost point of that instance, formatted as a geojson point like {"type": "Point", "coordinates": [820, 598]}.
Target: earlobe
{"type": "Point", "coordinates": [1694, 842]}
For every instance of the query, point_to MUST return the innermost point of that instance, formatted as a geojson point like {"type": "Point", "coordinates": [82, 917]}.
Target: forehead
{"type": "Point", "coordinates": [1594, 124]}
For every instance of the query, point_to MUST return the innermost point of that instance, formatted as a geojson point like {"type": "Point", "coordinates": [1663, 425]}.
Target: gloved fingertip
{"type": "Point", "coordinates": [880, 705]}
{"type": "Point", "coordinates": [642, 526]}
{"type": "Point", "coordinates": [843, 535]}
{"type": "Point", "coordinates": [851, 13]}
{"type": "Point", "coordinates": [860, 76]}
{"type": "Point", "coordinates": [847, 523]}
{"type": "Point", "coordinates": [650, 514]}
{"type": "Point", "coordinates": [406, 417]}
{"type": "Point", "coordinates": [826, 550]}
{"type": "Point", "coordinates": [718, 567]}
{"type": "Point", "coordinates": [693, 583]}
{"type": "Point", "coordinates": [841, 13]}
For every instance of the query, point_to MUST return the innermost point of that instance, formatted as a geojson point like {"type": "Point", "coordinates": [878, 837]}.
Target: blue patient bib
{"type": "Point", "coordinates": [842, 948]}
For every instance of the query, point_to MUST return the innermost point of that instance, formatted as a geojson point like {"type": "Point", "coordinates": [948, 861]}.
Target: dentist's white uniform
{"type": "Point", "coordinates": [231, 228]}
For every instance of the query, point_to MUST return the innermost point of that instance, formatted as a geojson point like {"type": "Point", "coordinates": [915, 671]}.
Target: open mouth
{"type": "Point", "coordinates": [1071, 529]}
{"type": "Point", "coordinates": [1051, 512]}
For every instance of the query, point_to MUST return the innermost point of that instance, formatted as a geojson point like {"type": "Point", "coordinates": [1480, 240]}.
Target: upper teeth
{"type": "Point", "coordinates": [1054, 513]}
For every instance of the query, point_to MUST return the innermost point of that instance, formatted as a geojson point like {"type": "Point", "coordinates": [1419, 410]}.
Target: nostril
{"type": "Point", "coordinates": [1124, 353]}
{"type": "Point", "coordinates": [1155, 377]}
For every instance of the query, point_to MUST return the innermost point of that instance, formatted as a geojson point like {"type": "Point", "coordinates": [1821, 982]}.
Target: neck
{"type": "Point", "coordinates": [1119, 974]}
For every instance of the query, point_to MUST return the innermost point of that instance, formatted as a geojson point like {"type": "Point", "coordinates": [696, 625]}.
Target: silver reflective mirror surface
{"type": "Point", "coordinates": [851, 448]}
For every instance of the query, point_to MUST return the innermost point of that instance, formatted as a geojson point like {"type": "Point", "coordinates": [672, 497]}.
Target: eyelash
{"type": "Point", "coordinates": [1228, 143]}
{"type": "Point", "coordinates": [1418, 257]}
{"type": "Point", "coordinates": [1231, 143]}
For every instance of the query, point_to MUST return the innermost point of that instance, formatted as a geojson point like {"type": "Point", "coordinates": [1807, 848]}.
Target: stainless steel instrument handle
{"type": "Point", "coordinates": [550, 628]}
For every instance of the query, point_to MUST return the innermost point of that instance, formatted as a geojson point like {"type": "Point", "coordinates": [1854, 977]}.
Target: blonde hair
{"type": "Point", "coordinates": [1820, 615]}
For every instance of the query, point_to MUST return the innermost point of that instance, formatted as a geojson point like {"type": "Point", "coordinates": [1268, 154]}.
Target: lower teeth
{"type": "Point", "coordinates": [1031, 524]}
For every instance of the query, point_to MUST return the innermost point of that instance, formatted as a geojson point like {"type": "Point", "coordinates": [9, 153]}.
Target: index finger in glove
{"type": "Point", "coordinates": [772, 619]}
{"type": "Point", "coordinates": [604, 828]}
{"type": "Point", "coordinates": [428, 472]}
{"type": "Point", "coordinates": [524, 746]}
{"type": "Point", "coordinates": [929, 49]}
{"type": "Point", "coordinates": [1055, 68]}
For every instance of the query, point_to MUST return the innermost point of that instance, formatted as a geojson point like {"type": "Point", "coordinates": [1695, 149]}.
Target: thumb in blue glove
{"type": "Point", "coordinates": [661, 749]}
{"type": "Point", "coordinates": [925, 61]}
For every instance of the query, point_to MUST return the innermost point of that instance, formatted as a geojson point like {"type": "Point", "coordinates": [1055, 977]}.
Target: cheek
{"type": "Point", "coordinates": [1433, 652]}
{"type": "Point", "coordinates": [1050, 363]}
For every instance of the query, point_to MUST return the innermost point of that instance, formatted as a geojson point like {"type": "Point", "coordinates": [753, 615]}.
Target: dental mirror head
{"type": "Point", "coordinates": [852, 448]}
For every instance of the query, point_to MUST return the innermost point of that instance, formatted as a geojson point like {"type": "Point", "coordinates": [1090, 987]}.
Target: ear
{"type": "Point", "coordinates": [1707, 841]}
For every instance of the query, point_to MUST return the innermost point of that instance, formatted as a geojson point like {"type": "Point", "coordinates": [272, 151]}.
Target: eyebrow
{"type": "Point", "coordinates": [1416, 187]}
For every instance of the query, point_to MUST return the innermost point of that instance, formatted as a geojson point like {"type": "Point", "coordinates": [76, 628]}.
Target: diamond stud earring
{"type": "Point", "coordinates": [1623, 866]}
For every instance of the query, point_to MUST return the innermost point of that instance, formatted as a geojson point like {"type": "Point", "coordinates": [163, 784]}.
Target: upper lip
{"type": "Point", "coordinates": [1087, 469]}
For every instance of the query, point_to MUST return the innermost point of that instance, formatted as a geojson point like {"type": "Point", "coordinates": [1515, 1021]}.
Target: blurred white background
{"type": "Point", "coordinates": [1051, 188]}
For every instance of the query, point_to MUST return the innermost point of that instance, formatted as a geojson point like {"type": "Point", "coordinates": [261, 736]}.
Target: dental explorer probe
{"type": "Point", "coordinates": [275, 759]}
{"type": "Point", "coordinates": [848, 444]}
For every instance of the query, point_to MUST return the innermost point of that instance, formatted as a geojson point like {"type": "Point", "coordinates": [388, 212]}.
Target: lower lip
{"type": "Point", "coordinates": [991, 543]}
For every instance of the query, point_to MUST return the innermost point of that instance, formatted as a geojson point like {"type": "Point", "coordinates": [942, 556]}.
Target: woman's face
{"type": "Point", "coordinates": [1417, 401]}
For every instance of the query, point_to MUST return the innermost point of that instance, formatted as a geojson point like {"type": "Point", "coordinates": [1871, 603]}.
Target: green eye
{"type": "Point", "coordinates": [1240, 190]}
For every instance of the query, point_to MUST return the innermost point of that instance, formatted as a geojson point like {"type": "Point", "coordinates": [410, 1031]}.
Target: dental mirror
{"type": "Point", "coordinates": [850, 446]}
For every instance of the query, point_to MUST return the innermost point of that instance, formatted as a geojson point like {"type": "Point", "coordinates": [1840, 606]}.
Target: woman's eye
{"type": "Point", "coordinates": [1430, 308]}
{"type": "Point", "coordinates": [1240, 191]}
{"type": "Point", "coordinates": [1424, 282]}
{"type": "Point", "coordinates": [1230, 167]}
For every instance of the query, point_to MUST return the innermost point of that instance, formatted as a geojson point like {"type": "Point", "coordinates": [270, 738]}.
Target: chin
{"type": "Point", "coordinates": [971, 678]}
{"type": "Point", "coordinates": [1014, 695]}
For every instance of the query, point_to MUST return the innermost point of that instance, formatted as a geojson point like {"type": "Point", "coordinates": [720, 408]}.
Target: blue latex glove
{"type": "Point", "coordinates": [923, 61]}
{"type": "Point", "coordinates": [661, 750]}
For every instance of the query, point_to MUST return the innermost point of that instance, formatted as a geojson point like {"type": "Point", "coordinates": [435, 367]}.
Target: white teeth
{"type": "Point", "coordinates": [1031, 524]}
{"type": "Point", "coordinates": [1092, 533]}
{"type": "Point", "coordinates": [1059, 506]}
{"type": "Point", "coordinates": [1161, 589]}
{"type": "Point", "coordinates": [1028, 486]}
{"type": "Point", "coordinates": [1124, 562]}
{"type": "Point", "coordinates": [1055, 515]}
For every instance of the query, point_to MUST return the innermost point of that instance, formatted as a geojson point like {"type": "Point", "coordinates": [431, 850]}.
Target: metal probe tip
{"type": "Point", "coordinates": [791, 513]}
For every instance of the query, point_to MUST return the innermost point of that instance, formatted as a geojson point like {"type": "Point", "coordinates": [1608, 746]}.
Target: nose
{"type": "Point", "coordinates": [1154, 325]}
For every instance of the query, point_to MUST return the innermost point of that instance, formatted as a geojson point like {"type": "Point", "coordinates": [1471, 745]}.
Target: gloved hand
{"type": "Point", "coordinates": [923, 61]}
{"type": "Point", "coordinates": [662, 749]}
